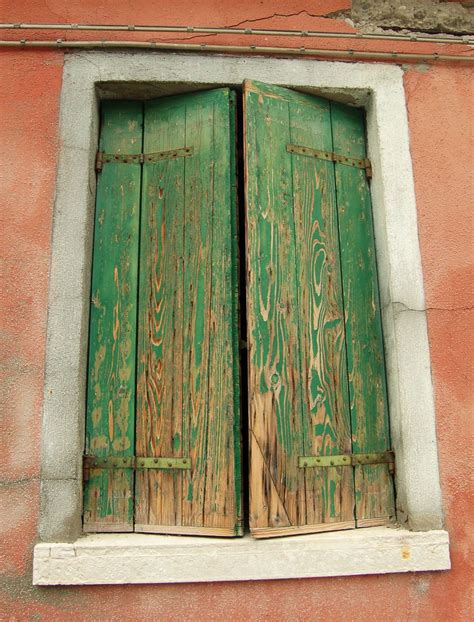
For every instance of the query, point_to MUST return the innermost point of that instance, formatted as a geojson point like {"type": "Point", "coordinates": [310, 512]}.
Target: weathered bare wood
{"type": "Point", "coordinates": [274, 532]}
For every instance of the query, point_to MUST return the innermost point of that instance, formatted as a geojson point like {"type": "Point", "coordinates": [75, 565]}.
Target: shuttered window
{"type": "Point", "coordinates": [163, 443]}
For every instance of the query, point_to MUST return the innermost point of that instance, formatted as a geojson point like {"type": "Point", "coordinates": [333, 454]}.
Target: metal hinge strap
{"type": "Point", "coordinates": [384, 457]}
{"type": "Point", "coordinates": [141, 158]}
{"type": "Point", "coordinates": [332, 157]}
{"type": "Point", "coordinates": [133, 462]}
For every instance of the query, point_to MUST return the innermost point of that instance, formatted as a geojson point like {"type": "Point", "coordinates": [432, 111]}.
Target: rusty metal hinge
{"type": "Point", "coordinates": [383, 457]}
{"type": "Point", "coordinates": [140, 158]}
{"type": "Point", "coordinates": [332, 157]}
{"type": "Point", "coordinates": [133, 462]}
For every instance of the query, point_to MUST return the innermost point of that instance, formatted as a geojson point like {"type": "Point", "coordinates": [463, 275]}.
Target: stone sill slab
{"type": "Point", "coordinates": [139, 558]}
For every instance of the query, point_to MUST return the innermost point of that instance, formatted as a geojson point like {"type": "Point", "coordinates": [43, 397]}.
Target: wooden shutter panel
{"type": "Point", "coordinates": [297, 359]}
{"type": "Point", "coordinates": [300, 286]}
{"type": "Point", "coordinates": [187, 332]}
{"type": "Point", "coordinates": [108, 493]}
{"type": "Point", "coordinates": [367, 380]}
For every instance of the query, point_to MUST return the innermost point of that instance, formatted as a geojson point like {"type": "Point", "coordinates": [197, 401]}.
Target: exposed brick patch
{"type": "Point", "coordinates": [429, 16]}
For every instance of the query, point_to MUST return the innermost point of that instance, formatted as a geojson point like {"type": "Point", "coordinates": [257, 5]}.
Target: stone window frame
{"type": "Point", "coordinates": [65, 555]}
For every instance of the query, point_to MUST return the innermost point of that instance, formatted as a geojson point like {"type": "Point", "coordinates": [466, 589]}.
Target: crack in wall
{"type": "Point", "coordinates": [245, 21]}
{"type": "Point", "coordinates": [259, 19]}
{"type": "Point", "coordinates": [5, 483]}
{"type": "Point", "coordinates": [402, 307]}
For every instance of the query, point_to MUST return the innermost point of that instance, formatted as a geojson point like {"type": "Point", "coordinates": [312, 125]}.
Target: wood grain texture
{"type": "Point", "coordinates": [329, 492]}
{"type": "Point", "coordinates": [277, 532]}
{"type": "Point", "coordinates": [297, 366]}
{"type": "Point", "coordinates": [108, 494]}
{"type": "Point", "coordinates": [187, 384]}
{"type": "Point", "coordinates": [365, 356]}
{"type": "Point", "coordinates": [160, 343]}
{"type": "Point", "coordinates": [276, 483]}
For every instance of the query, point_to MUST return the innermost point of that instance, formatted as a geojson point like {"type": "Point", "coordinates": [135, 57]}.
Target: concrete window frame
{"type": "Point", "coordinates": [64, 555]}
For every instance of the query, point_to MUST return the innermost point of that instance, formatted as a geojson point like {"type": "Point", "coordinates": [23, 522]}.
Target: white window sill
{"type": "Point", "coordinates": [139, 558]}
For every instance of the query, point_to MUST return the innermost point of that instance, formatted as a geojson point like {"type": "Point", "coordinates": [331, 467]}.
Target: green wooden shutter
{"type": "Point", "coordinates": [108, 493]}
{"type": "Point", "coordinates": [305, 330]}
{"type": "Point", "coordinates": [163, 345]}
{"type": "Point", "coordinates": [187, 391]}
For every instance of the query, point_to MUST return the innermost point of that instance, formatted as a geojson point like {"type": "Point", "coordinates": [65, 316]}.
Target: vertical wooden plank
{"type": "Point", "coordinates": [197, 311]}
{"type": "Point", "coordinates": [160, 343]}
{"type": "Point", "coordinates": [221, 508]}
{"type": "Point", "coordinates": [186, 395]}
{"type": "Point", "coordinates": [367, 383]}
{"type": "Point", "coordinates": [276, 483]}
{"type": "Point", "coordinates": [108, 494]}
{"type": "Point", "coordinates": [327, 430]}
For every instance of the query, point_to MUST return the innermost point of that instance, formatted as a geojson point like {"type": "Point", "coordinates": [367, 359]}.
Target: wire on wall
{"type": "Point", "coordinates": [239, 49]}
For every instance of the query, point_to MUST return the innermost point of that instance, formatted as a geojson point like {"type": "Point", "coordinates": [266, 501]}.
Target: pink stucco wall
{"type": "Point", "coordinates": [440, 116]}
